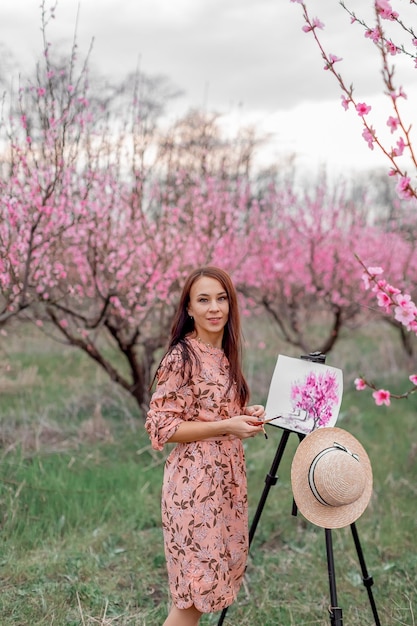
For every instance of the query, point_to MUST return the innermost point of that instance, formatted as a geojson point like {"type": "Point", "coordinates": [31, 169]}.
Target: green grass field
{"type": "Point", "coordinates": [81, 542]}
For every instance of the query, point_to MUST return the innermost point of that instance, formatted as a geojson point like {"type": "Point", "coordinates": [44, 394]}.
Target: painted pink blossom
{"type": "Point", "coordinates": [382, 396]}
{"type": "Point", "coordinates": [413, 379]}
{"type": "Point", "coordinates": [360, 384]}
{"type": "Point", "coordinates": [317, 395]}
{"type": "Point", "coordinates": [362, 108]}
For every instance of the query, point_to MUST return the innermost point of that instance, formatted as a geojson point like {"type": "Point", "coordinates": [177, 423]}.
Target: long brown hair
{"type": "Point", "coordinates": [183, 325]}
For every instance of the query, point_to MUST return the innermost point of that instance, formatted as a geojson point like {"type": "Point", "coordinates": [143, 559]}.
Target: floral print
{"type": "Point", "coordinates": [204, 496]}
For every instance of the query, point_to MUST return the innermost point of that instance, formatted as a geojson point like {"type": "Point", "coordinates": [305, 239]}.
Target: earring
{"type": "Point", "coordinates": [191, 317]}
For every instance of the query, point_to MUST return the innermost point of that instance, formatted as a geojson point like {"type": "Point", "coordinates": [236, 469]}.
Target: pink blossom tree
{"type": "Point", "coordinates": [305, 242]}
{"type": "Point", "coordinates": [95, 237]}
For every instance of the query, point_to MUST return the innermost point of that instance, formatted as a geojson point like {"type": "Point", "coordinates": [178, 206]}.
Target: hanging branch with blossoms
{"type": "Point", "coordinates": [404, 309]}
{"type": "Point", "coordinates": [406, 186]}
{"type": "Point", "coordinates": [394, 301]}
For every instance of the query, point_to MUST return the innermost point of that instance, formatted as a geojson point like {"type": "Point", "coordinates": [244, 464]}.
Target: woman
{"type": "Point", "coordinates": [200, 405]}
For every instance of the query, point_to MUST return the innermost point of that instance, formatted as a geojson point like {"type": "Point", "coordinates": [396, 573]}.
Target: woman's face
{"type": "Point", "coordinates": [209, 306]}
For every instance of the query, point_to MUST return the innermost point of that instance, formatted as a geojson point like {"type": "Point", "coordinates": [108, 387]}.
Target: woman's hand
{"type": "Point", "coordinates": [256, 410]}
{"type": "Point", "coordinates": [244, 426]}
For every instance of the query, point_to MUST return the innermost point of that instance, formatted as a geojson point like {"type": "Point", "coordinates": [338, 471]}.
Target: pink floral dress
{"type": "Point", "coordinates": [204, 496]}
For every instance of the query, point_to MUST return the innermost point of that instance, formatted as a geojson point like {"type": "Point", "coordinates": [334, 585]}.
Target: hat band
{"type": "Point", "coordinates": [335, 446]}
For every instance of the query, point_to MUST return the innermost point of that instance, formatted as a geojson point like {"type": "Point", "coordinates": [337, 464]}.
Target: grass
{"type": "Point", "coordinates": [81, 541]}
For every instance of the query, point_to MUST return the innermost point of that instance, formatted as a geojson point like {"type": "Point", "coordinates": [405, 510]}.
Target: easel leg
{"type": "Point", "coordinates": [335, 611]}
{"type": "Point", "coordinates": [366, 578]}
{"type": "Point", "coordinates": [270, 480]}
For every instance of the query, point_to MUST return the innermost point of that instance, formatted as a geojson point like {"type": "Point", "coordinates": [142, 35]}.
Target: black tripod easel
{"type": "Point", "coordinates": [335, 612]}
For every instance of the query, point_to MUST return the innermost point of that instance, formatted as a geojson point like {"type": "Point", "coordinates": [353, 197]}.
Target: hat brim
{"type": "Point", "coordinates": [321, 514]}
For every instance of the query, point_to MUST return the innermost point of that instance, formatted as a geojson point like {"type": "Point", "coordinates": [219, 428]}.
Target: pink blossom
{"type": "Point", "coordinates": [403, 188]}
{"type": "Point", "coordinates": [369, 274]}
{"type": "Point", "coordinates": [363, 108]}
{"type": "Point", "coordinates": [41, 91]}
{"type": "Point", "coordinates": [398, 151]}
{"type": "Point", "coordinates": [392, 291]}
{"type": "Point", "coordinates": [400, 94]}
{"type": "Point", "coordinates": [413, 379]}
{"type": "Point", "coordinates": [385, 10]}
{"type": "Point", "coordinates": [369, 135]}
{"type": "Point", "coordinates": [392, 48]}
{"type": "Point", "coordinates": [332, 60]}
{"type": "Point", "coordinates": [383, 300]}
{"type": "Point", "coordinates": [405, 314]}
{"type": "Point", "coordinates": [393, 122]}
{"type": "Point", "coordinates": [382, 396]}
{"type": "Point", "coordinates": [374, 35]}
{"type": "Point", "coordinates": [379, 285]}
{"type": "Point", "coordinates": [345, 102]}
{"type": "Point", "coordinates": [403, 299]}
{"type": "Point", "coordinates": [360, 384]}
{"type": "Point", "coordinates": [375, 271]}
{"type": "Point", "coordinates": [315, 23]}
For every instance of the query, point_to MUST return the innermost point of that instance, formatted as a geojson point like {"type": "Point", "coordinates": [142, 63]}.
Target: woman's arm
{"type": "Point", "coordinates": [241, 426]}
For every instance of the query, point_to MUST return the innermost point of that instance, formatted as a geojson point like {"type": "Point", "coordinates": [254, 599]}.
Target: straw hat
{"type": "Point", "coordinates": [331, 478]}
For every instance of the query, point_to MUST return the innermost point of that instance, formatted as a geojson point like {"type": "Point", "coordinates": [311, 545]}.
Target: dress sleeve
{"type": "Point", "coordinates": [171, 402]}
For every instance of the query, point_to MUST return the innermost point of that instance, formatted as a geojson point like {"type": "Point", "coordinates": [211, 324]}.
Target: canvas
{"type": "Point", "coordinates": [304, 395]}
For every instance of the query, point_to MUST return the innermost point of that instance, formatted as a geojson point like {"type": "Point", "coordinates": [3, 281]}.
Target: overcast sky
{"type": "Point", "coordinates": [246, 59]}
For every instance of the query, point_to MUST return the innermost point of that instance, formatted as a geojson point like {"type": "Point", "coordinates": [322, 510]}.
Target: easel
{"type": "Point", "coordinates": [335, 612]}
